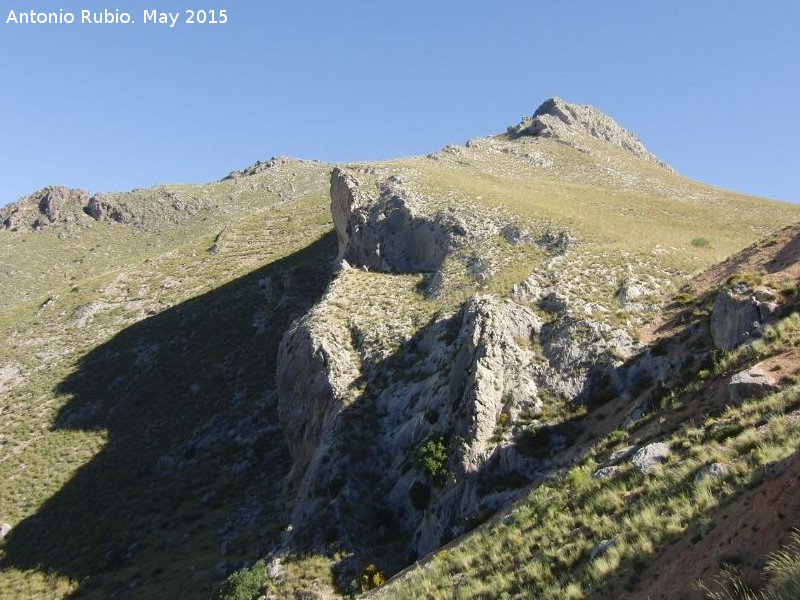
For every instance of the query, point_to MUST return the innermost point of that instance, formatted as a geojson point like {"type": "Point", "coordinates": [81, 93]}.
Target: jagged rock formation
{"type": "Point", "coordinates": [562, 120]}
{"type": "Point", "coordinates": [58, 205]}
{"type": "Point", "coordinates": [104, 207]}
{"type": "Point", "coordinates": [474, 371]}
{"type": "Point", "coordinates": [739, 314]}
{"type": "Point", "coordinates": [389, 232]}
{"type": "Point", "coordinates": [581, 355]}
{"type": "Point", "coordinates": [466, 387]}
{"type": "Point", "coordinates": [45, 207]}
{"type": "Point", "coordinates": [384, 226]}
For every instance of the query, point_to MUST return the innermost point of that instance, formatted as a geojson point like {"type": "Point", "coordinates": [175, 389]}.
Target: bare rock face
{"type": "Point", "coordinates": [315, 368]}
{"type": "Point", "coordinates": [754, 382]}
{"type": "Point", "coordinates": [649, 457]}
{"type": "Point", "coordinates": [737, 316]}
{"type": "Point", "coordinates": [46, 207]}
{"type": "Point", "coordinates": [562, 120]}
{"type": "Point", "coordinates": [579, 354]}
{"type": "Point", "coordinates": [104, 207]}
{"type": "Point", "coordinates": [357, 474]}
{"type": "Point", "coordinates": [388, 231]}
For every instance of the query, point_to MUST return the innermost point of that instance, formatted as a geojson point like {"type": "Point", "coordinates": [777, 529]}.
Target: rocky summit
{"type": "Point", "coordinates": [566, 122]}
{"type": "Point", "coordinates": [539, 364]}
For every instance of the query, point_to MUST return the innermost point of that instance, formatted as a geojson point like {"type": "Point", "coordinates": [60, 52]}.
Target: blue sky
{"type": "Point", "coordinates": [711, 87]}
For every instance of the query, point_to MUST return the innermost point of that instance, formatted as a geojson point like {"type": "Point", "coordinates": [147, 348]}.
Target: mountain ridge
{"type": "Point", "coordinates": [463, 319]}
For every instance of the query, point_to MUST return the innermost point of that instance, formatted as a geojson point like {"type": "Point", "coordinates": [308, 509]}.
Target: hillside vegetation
{"type": "Point", "coordinates": [198, 396]}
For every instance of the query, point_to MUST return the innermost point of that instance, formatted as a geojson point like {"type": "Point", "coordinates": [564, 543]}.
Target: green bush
{"type": "Point", "coordinates": [247, 584]}
{"type": "Point", "coordinates": [431, 457]}
{"type": "Point", "coordinates": [701, 242]}
{"type": "Point", "coordinates": [683, 299]}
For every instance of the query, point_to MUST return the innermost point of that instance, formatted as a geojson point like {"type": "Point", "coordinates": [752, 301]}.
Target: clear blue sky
{"type": "Point", "coordinates": [712, 87]}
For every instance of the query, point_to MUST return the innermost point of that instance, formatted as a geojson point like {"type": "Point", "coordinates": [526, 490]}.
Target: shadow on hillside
{"type": "Point", "coordinates": [189, 482]}
{"type": "Point", "coordinates": [788, 255]}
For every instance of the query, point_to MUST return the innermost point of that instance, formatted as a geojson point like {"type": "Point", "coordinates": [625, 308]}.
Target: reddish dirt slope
{"type": "Point", "coordinates": [743, 532]}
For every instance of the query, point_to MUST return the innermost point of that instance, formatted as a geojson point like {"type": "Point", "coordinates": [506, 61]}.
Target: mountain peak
{"type": "Point", "coordinates": [565, 121]}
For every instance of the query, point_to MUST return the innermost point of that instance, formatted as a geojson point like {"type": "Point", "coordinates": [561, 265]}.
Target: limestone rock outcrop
{"type": "Point", "coordinates": [261, 166]}
{"type": "Point", "coordinates": [43, 208]}
{"type": "Point", "coordinates": [388, 230]}
{"type": "Point", "coordinates": [754, 382]}
{"type": "Point", "coordinates": [738, 315]}
{"type": "Point", "coordinates": [412, 441]}
{"type": "Point", "coordinates": [562, 120]}
{"type": "Point", "coordinates": [580, 354]}
{"type": "Point", "coordinates": [315, 369]}
{"type": "Point", "coordinates": [104, 207]}
{"type": "Point", "coordinates": [354, 446]}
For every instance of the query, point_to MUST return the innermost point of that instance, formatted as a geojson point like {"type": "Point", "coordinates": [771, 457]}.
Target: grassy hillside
{"type": "Point", "coordinates": [139, 451]}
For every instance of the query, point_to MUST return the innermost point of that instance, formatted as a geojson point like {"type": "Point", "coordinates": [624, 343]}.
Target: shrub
{"type": "Point", "coordinates": [683, 299]}
{"type": "Point", "coordinates": [701, 242]}
{"type": "Point", "coordinates": [431, 456]}
{"type": "Point", "coordinates": [246, 584]}
{"type": "Point", "coordinates": [371, 577]}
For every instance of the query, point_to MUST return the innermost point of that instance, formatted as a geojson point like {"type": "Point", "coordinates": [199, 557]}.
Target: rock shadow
{"type": "Point", "coordinates": [188, 485]}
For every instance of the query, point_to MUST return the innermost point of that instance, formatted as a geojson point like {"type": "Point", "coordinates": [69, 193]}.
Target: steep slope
{"type": "Point", "coordinates": [193, 377]}
{"type": "Point", "coordinates": [694, 467]}
{"type": "Point", "coordinates": [138, 434]}
{"type": "Point", "coordinates": [488, 395]}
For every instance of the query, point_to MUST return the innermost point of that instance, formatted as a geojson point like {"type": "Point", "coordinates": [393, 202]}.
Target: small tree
{"type": "Point", "coordinates": [431, 457]}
